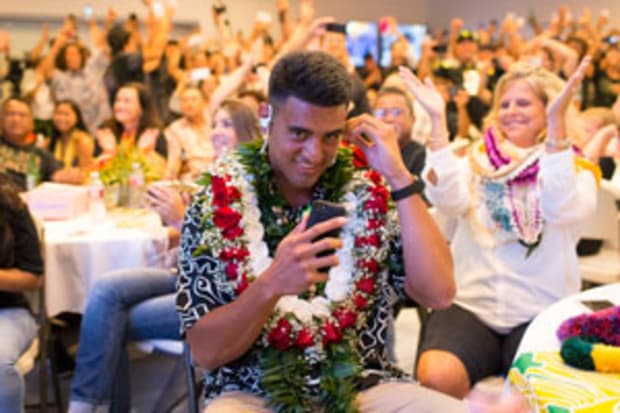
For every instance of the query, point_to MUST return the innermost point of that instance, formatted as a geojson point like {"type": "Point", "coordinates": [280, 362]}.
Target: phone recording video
{"type": "Point", "coordinates": [323, 211]}
{"type": "Point", "coordinates": [336, 28]}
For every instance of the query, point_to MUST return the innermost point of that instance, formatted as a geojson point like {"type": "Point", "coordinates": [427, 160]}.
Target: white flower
{"type": "Point", "coordinates": [320, 307]}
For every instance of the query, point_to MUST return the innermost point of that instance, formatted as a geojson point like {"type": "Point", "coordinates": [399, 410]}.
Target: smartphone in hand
{"type": "Point", "coordinates": [322, 211]}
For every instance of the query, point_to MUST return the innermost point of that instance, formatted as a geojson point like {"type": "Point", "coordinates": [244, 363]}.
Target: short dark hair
{"type": "Point", "coordinates": [314, 77]}
{"type": "Point", "coordinates": [393, 90]}
{"type": "Point", "coordinates": [16, 98]}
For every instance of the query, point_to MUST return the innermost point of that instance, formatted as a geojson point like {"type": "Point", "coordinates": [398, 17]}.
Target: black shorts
{"type": "Point", "coordinates": [483, 351]}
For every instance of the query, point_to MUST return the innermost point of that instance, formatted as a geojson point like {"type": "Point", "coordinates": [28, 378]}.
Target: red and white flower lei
{"type": "Point", "coordinates": [234, 234]}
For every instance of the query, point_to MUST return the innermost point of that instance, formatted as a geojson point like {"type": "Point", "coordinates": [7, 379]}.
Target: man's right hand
{"type": "Point", "coordinates": [294, 268]}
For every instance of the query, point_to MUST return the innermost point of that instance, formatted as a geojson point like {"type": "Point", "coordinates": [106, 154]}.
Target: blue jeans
{"type": "Point", "coordinates": [18, 329]}
{"type": "Point", "coordinates": [126, 305]}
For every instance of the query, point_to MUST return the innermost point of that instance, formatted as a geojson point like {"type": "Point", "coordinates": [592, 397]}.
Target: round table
{"type": "Point", "coordinates": [78, 251]}
{"type": "Point", "coordinates": [541, 333]}
{"type": "Point", "coordinates": [549, 384]}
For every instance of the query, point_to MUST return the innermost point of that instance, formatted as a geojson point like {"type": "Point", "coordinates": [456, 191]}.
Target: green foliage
{"type": "Point", "coordinates": [332, 182]}
{"type": "Point", "coordinates": [284, 381]}
{"type": "Point", "coordinates": [118, 169]}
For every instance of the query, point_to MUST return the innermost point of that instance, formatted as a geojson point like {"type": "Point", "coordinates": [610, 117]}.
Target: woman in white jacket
{"type": "Point", "coordinates": [518, 198]}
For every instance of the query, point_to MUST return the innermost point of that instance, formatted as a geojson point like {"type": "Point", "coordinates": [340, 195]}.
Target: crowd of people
{"type": "Point", "coordinates": [499, 131]}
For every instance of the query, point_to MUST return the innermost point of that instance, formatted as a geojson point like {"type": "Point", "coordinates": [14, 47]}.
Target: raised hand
{"type": "Point", "coordinates": [106, 140]}
{"type": "Point", "coordinates": [426, 93]}
{"type": "Point", "coordinates": [431, 100]}
{"type": "Point", "coordinates": [556, 109]}
{"type": "Point", "coordinates": [148, 139]}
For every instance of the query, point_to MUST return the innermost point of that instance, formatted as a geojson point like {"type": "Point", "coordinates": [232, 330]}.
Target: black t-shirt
{"type": "Point", "coordinates": [14, 161]}
{"type": "Point", "coordinates": [26, 251]}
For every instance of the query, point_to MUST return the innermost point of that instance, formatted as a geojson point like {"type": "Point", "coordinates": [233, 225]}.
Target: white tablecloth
{"type": "Point", "coordinates": [541, 333]}
{"type": "Point", "coordinates": [78, 251]}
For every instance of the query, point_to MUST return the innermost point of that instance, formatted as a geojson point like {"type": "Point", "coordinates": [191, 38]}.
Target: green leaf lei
{"type": "Point", "coordinates": [286, 373]}
{"type": "Point", "coordinates": [270, 202]}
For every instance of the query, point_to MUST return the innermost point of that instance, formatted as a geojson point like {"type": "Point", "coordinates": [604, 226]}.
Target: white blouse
{"type": "Point", "coordinates": [497, 282]}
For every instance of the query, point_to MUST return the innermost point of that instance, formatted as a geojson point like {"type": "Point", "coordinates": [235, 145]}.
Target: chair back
{"type": "Point", "coordinates": [604, 223]}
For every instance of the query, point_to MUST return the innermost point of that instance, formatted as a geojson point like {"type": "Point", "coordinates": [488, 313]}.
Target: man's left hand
{"type": "Point", "coordinates": [379, 142]}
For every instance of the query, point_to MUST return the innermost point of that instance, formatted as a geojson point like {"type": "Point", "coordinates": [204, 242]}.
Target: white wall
{"type": "Point", "coordinates": [242, 12]}
{"type": "Point", "coordinates": [473, 12]}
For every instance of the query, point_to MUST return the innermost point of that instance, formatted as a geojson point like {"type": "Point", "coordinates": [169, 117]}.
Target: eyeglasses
{"type": "Point", "coordinates": [383, 112]}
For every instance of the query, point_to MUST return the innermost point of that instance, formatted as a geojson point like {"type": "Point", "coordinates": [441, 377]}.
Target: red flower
{"type": "Point", "coordinates": [232, 233]}
{"type": "Point", "coordinates": [232, 193]}
{"type": "Point", "coordinates": [373, 240]}
{"type": "Point", "coordinates": [280, 336]}
{"type": "Point", "coordinates": [366, 285]}
{"type": "Point", "coordinates": [226, 217]}
{"type": "Point", "coordinates": [376, 204]}
{"type": "Point", "coordinates": [218, 186]}
{"type": "Point", "coordinates": [223, 194]}
{"type": "Point", "coordinates": [230, 254]}
{"type": "Point", "coordinates": [375, 223]}
{"type": "Point", "coordinates": [331, 333]}
{"type": "Point", "coordinates": [304, 338]}
{"type": "Point", "coordinates": [243, 284]}
{"type": "Point", "coordinates": [369, 265]}
{"type": "Point", "coordinates": [231, 270]}
{"type": "Point", "coordinates": [359, 159]}
{"type": "Point", "coordinates": [359, 301]}
{"type": "Point", "coordinates": [346, 318]}
{"type": "Point", "coordinates": [379, 192]}
{"type": "Point", "coordinates": [374, 176]}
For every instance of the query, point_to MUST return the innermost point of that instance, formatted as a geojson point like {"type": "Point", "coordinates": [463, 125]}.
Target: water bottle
{"type": "Point", "coordinates": [32, 173]}
{"type": "Point", "coordinates": [136, 185]}
{"type": "Point", "coordinates": [96, 204]}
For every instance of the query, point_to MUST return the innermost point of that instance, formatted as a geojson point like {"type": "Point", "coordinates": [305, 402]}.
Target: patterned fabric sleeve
{"type": "Point", "coordinates": [395, 261]}
{"type": "Point", "coordinates": [198, 290]}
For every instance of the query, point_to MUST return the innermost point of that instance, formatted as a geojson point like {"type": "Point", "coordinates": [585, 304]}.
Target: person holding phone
{"type": "Point", "coordinates": [518, 198]}
{"type": "Point", "coordinates": [256, 306]}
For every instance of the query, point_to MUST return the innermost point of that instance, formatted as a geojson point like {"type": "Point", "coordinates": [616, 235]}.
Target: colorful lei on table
{"type": "Point", "coordinates": [308, 346]}
{"type": "Point", "coordinates": [592, 341]}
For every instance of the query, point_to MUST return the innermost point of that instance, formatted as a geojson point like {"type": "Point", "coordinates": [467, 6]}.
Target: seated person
{"type": "Point", "coordinates": [394, 107]}
{"type": "Point", "coordinates": [70, 142]}
{"type": "Point", "coordinates": [21, 266]}
{"type": "Point", "coordinates": [134, 126]}
{"type": "Point", "coordinates": [274, 330]}
{"type": "Point", "coordinates": [189, 138]}
{"type": "Point", "coordinates": [129, 305]}
{"type": "Point", "coordinates": [19, 157]}
{"type": "Point", "coordinates": [125, 305]}
{"type": "Point", "coordinates": [234, 122]}
{"type": "Point", "coordinates": [518, 199]}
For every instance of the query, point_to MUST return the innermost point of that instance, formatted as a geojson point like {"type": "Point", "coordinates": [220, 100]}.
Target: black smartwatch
{"type": "Point", "coordinates": [416, 187]}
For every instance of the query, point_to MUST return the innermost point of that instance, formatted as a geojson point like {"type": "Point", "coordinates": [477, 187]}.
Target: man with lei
{"type": "Point", "coordinates": [275, 332]}
{"type": "Point", "coordinates": [518, 199]}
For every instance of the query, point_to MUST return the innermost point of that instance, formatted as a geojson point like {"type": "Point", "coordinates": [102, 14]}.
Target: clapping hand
{"type": "Point", "coordinates": [429, 97]}
{"type": "Point", "coordinates": [148, 140]}
{"type": "Point", "coordinates": [106, 140]}
{"type": "Point", "coordinates": [556, 110]}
